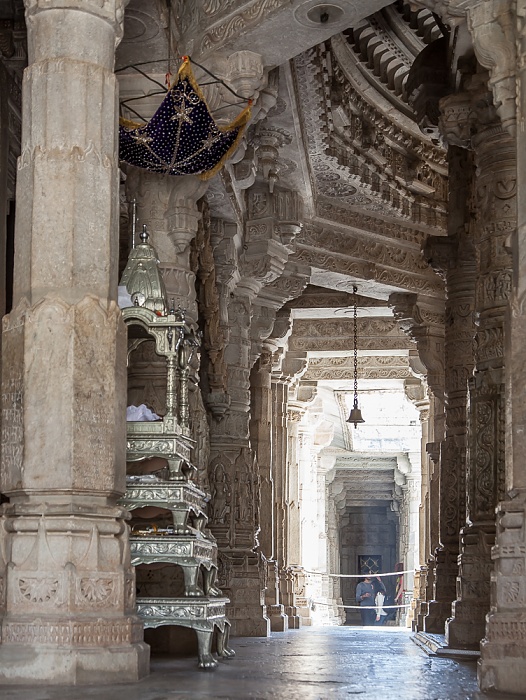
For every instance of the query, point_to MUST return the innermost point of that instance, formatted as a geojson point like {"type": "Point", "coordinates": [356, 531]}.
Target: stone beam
{"type": "Point", "coordinates": [276, 29]}
{"type": "Point", "coordinates": [342, 368]}
{"type": "Point", "coordinates": [349, 253]}
{"type": "Point", "coordinates": [314, 297]}
{"type": "Point", "coordinates": [337, 334]}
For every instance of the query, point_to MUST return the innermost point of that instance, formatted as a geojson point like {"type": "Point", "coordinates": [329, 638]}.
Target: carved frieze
{"type": "Point", "coordinates": [92, 633]}
{"type": "Point", "coordinates": [342, 368]}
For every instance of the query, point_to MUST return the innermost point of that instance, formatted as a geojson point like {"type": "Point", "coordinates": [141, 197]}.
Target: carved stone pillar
{"type": "Point", "coordinates": [68, 589]}
{"type": "Point", "coordinates": [292, 553]}
{"type": "Point", "coordinates": [423, 319]}
{"type": "Point", "coordinates": [416, 391]}
{"type": "Point", "coordinates": [454, 257]}
{"type": "Point", "coordinates": [410, 469]}
{"type": "Point", "coordinates": [285, 470]}
{"type": "Point", "coordinates": [235, 487]}
{"type": "Point", "coordinates": [495, 202]}
{"type": "Point", "coordinates": [4, 204]}
{"type": "Point", "coordinates": [432, 520]}
{"type": "Point", "coordinates": [502, 666]}
{"type": "Point", "coordinates": [331, 591]}
{"type": "Point", "coordinates": [279, 470]}
{"type": "Point", "coordinates": [261, 435]}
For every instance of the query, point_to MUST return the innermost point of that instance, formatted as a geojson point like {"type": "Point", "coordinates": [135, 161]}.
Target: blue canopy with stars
{"type": "Point", "coordinates": [182, 137]}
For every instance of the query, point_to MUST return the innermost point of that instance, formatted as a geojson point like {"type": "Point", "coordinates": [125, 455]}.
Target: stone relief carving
{"type": "Point", "coordinates": [370, 189]}
{"type": "Point", "coordinates": [230, 27]}
{"type": "Point", "coordinates": [221, 494]}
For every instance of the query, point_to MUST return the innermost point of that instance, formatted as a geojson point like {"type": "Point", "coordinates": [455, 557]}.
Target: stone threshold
{"type": "Point", "coordinates": [436, 645]}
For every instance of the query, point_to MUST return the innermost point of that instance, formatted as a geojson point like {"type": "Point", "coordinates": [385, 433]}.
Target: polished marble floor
{"type": "Point", "coordinates": [310, 664]}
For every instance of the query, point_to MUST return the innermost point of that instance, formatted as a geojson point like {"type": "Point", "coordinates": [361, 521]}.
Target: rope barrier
{"type": "Point", "coordinates": [361, 607]}
{"type": "Point", "coordinates": [391, 573]}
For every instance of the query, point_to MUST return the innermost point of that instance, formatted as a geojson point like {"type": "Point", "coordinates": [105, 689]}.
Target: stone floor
{"type": "Point", "coordinates": [308, 664]}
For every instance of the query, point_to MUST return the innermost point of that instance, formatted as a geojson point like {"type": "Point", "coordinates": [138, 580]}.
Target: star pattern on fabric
{"type": "Point", "coordinates": [175, 143]}
{"type": "Point", "coordinates": [211, 139]}
{"type": "Point", "coordinates": [182, 113]}
{"type": "Point", "coordinates": [142, 138]}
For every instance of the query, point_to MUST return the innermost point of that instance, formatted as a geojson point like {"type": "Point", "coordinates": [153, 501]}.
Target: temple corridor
{"type": "Point", "coordinates": [263, 304]}
{"type": "Point", "coordinates": [306, 664]}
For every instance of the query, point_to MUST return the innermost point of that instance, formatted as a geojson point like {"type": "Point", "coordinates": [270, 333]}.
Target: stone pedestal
{"type": "Point", "coordinates": [68, 604]}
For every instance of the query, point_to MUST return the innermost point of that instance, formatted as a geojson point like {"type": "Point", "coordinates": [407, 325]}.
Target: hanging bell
{"type": "Point", "coordinates": [355, 417]}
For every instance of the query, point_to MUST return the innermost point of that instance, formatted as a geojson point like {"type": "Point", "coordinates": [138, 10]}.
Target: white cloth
{"type": "Point", "coordinates": [141, 413]}
{"type": "Point", "coordinates": [124, 299]}
{"type": "Point", "coordinates": [379, 601]}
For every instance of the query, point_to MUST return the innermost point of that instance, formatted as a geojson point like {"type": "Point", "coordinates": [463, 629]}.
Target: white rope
{"type": "Point", "coordinates": [361, 607]}
{"type": "Point", "coordinates": [391, 573]}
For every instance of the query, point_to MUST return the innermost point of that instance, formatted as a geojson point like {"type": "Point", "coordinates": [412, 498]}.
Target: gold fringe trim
{"type": "Point", "coordinates": [130, 124]}
{"type": "Point", "coordinates": [240, 122]}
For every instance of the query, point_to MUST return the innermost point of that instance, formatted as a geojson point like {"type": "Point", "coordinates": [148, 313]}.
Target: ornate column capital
{"type": "Point", "coordinates": [492, 25]}
{"type": "Point", "coordinates": [268, 140]}
{"type": "Point", "coordinates": [246, 74]}
{"type": "Point", "coordinates": [112, 11]}
{"type": "Point", "coordinates": [423, 321]}
{"type": "Point", "coordinates": [183, 214]}
{"type": "Point", "coordinates": [273, 221]}
{"type": "Point", "coordinates": [456, 119]}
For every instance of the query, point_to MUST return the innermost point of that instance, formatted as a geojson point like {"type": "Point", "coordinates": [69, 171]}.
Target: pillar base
{"type": "Point", "coordinates": [438, 612]}
{"type": "Point", "coordinates": [55, 662]}
{"type": "Point", "coordinates": [467, 626]}
{"type": "Point", "coordinates": [502, 665]}
{"type": "Point", "coordinates": [248, 621]}
{"type": "Point", "coordinates": [293, 617]}
{"type": "Point", "coordinates": [421, 616]}
{"type": "Point", "coordinates": [279, 621]}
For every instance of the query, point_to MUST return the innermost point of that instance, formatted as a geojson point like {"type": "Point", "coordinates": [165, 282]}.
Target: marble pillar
{"type": "Point", "coordinates": [409, 468]}
{"type": "Point", "coordinates": [502, 665]}
{"type": "Point", "coordinates": [261, 434]}
{"type": "Point", "coordinates": [280, 390]}
{"type": "Point", "coordinates": [68, 589]}
{"type": "Point", "coordinates": [496, 217]}
{"type": "Point", "coordinates": [4, 204]}
{"type": "Point", "coordinates": [416, 391]}
{"type": "Point", "coordinates": [235, 484]}
{"type": "Point", "coordinates": [292, 553]}
{"type": "Point", "coordinates": [454, 258]}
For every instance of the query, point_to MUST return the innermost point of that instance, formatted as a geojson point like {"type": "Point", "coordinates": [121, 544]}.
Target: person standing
{"type": "Point", "coordinates": [365, 598]}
